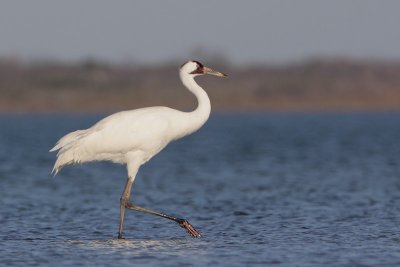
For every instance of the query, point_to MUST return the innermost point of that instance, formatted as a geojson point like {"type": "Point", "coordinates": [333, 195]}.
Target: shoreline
{"type": "Point", "coordinates": [316, 86]}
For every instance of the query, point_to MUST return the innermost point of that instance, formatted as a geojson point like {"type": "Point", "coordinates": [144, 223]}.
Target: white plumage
{"type": "Point", "coordinates": [133, 137]}
{"type": "Point", "coordinates": [144, 132]}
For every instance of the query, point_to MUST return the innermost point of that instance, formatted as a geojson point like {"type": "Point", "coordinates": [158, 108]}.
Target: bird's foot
{"type": "Point", "coordinates": [188, 227]}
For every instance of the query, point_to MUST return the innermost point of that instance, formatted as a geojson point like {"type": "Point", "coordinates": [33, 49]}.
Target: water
{"type": "Point", "coordinates": [268, 190]}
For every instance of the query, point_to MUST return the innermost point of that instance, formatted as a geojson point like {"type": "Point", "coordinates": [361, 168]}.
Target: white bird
{"type": "Point", "coordinates": [133, 137]}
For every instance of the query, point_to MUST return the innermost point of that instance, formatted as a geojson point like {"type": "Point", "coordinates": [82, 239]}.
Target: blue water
{"type": "Point", "coordinates": [266, 189]}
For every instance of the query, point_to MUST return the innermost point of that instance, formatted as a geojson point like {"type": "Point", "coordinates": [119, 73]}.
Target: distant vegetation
{"type": "Point", "coordinates": [96, 87]}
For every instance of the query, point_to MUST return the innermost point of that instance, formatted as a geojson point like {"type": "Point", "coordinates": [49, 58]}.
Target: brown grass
{"type": "Point", "coordinates": [95, 87]}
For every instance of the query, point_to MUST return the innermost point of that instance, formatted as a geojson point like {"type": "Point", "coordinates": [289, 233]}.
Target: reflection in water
{"type": "Point", "coordinates": [181, 247]}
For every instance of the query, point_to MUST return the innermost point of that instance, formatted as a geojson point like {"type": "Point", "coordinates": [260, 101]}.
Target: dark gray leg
{"type": "Point", "coordinates": [182, 222]}
{"type": "Point", "coordinates": [125, 203]}
{"type": "Point", "coordinates": [126, 194]}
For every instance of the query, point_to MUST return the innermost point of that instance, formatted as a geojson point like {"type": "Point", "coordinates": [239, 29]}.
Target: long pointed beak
{"type": "Point", "coordinates": [213, 72]}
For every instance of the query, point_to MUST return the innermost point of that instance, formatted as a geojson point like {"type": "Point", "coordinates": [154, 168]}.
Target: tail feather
{"type": "Point", "coordinates": [68, 138]}
{"type": "Point", "coordinates": [66, 150]}
{"type": "Point", "coordinates": [60, 162]}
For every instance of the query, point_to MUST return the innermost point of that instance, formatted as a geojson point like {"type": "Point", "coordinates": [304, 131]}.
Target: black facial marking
{"type": "Point", "coordinates": [198, 63]}
{"type": "Point", "coordinates": [199, 69]}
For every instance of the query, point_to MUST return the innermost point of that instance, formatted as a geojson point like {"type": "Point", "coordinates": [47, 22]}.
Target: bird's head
{"type": "Point", "coordinates": [195, 68]}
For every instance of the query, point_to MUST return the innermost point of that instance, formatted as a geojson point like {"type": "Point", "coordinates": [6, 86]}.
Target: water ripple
{"type": "Point", "coordinates": [277, 189]}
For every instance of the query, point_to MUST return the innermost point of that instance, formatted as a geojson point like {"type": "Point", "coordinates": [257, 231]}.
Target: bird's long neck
{"type": "Point", "coordinates": [200, 115]}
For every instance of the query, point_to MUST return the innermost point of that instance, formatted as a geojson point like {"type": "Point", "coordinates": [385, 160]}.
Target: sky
{"type": "Point", "coordinates": [157, 31]}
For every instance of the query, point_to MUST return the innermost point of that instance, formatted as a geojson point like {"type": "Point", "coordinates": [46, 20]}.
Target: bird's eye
{"type": "Point", "coordinates": [198, 70]}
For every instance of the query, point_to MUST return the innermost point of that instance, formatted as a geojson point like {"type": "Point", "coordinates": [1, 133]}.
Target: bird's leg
{"type": "Point", "coordinates": [126, 194]}
{"type": "Point", "coordinates": [182, 222]}
{"type": "Point", "coordinates": [125, 203]}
